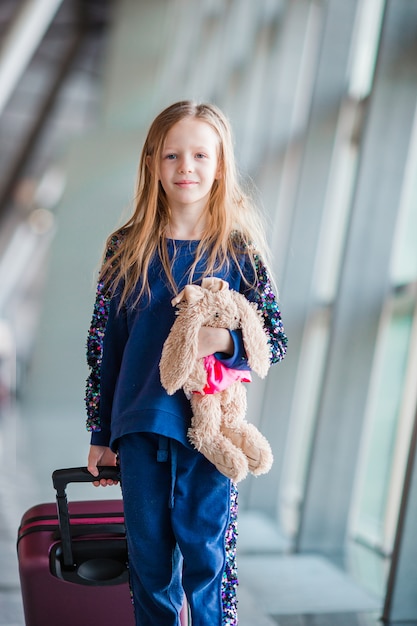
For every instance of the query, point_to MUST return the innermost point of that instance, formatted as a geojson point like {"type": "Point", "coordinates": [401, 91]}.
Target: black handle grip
{"type": "Point", "coordinates": [62, 477]}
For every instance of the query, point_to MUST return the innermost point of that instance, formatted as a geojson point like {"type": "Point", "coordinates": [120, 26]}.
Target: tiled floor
{"type": "Point", "coordinates": [329, 619]}
{"type": "Point", "coordinates": [274, 589]}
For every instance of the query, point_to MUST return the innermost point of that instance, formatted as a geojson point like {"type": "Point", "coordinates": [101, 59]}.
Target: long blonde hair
{"type": "Point", "coordinates": [233, 222]}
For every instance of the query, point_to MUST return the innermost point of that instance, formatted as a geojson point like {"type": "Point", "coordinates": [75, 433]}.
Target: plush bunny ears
{"type": "Point", "coordinates": [194, 293]}
{"type": "Point", "coordinates": [214, 284]}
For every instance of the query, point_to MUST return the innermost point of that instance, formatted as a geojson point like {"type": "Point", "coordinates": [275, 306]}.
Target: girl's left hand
{"type": "Point", "coordinates": [211, 340]}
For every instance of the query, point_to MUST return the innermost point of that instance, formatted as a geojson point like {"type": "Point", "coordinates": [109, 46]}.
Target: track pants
{"type": "Point", "coordinates": [177, 508]}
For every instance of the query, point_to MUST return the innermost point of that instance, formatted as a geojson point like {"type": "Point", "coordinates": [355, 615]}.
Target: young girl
{"type": "Point", "coordinates": [191, 220]}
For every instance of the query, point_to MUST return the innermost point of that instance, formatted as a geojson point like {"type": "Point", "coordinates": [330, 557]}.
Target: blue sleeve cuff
{"type": "Point", "coordinates": [238, 360]}
{"type": "Point", "coordinates": [100, 437]}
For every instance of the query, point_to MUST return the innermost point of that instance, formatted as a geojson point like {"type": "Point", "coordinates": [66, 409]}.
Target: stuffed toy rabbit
{"type": "Point", "coordinates": [217, 394]}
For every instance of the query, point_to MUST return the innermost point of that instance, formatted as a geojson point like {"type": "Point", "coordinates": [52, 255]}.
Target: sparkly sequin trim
{"type": "Point", "coordinates": [230, 579]}
{"type": "Point", "coordinates": [95, 348]}
{"type": "Point", "coordinates": [266, 301]}
{"type": "Point", "coordinates": [267, 304]}
{"type": "Point", "coordinates": [94, 357]}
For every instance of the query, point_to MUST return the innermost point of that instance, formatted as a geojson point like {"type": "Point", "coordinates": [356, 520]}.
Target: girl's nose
{"type": "Point", "coordinates": [185, 166]}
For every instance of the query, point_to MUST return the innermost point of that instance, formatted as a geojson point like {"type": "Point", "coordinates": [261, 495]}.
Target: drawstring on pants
{"type": "Point", "coordinates": [168, 448]}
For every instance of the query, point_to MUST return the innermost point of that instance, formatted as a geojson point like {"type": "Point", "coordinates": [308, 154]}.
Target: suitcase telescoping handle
{"type": "Point", "coordinates": [61, 479]}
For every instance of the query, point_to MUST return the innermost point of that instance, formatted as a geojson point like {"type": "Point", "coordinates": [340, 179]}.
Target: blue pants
{"type": "Point", "coordinates": [177, 508]}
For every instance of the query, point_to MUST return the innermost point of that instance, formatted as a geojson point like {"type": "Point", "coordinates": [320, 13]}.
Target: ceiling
{"type": "Point", "coordinates": [57, 95]}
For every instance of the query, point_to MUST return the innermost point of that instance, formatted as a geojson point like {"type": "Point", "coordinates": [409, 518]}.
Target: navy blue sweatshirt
{"type": "Point", "coordinates": [124, 392]}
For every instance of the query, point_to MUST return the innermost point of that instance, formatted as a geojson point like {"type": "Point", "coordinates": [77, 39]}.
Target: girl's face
{"type": "Point", "coordinates": [189, 164]}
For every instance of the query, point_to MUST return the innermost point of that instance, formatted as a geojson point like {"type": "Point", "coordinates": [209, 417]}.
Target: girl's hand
{"type": "Point", "coordinates": [211, 340]}
{"type": "Point", "coordinates": [101, 455]}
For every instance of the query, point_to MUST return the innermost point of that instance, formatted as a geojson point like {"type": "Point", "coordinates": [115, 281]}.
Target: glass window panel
{"type": "Point", "coordinates": [404, 261]}
{"type": "Point", "coordinates": [302, 422]}
{"type": "Point", "coordinates": [377, 463]}
{"type": "Point", "coordinates": [337, 208]}
{"type": "Point", "coordinates": [365, 47]}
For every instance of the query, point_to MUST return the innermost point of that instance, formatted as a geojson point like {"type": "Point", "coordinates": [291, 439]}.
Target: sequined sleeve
{"type": "Point", "coordinates": [265, 298]}
{"type": "Point", "coordinates": [95, 340]}
{"type": "Point", "coordinates": [94, 356]}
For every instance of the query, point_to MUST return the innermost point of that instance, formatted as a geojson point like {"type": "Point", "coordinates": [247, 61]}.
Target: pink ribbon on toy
{"type": "Point", "coordinates": [220, 377]}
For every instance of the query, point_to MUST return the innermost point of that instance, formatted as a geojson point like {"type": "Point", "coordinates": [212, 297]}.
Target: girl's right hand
{"type": "Point", "coordinates": [101, 455]}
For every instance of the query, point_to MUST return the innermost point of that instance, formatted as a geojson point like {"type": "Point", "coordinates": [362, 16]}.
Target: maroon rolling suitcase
{"type": "Point", "coordinates": [73, 559]}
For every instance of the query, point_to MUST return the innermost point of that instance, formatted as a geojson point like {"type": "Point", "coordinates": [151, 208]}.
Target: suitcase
{"type": "Point", "coordinates": [73, 559]}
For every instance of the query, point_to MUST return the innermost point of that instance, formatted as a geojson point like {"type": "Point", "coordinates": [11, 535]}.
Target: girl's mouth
{"type": "Point", "coordinates": [185, 183]}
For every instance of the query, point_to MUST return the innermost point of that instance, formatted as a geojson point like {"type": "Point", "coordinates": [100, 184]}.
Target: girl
{"type": "Point", "coordinates": [191, 220]}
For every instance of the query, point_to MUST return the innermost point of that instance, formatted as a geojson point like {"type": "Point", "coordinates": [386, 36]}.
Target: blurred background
{"type": "Point", "coordinates": [322, 97]}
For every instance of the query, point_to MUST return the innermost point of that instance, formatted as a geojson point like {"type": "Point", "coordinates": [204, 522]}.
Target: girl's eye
{"type": "Point", "coordinates": [171, 157]}
{"type": "Point", "coordinates": [199, 155]}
